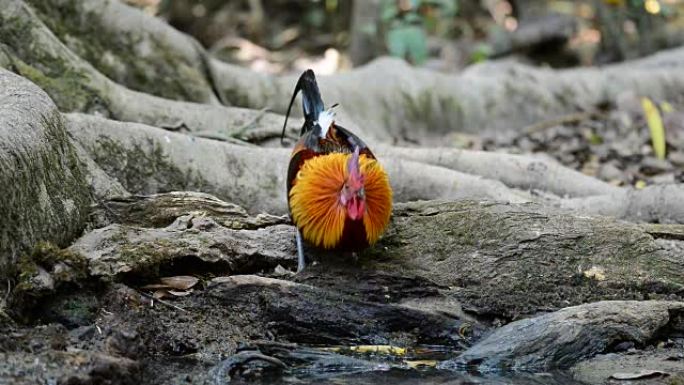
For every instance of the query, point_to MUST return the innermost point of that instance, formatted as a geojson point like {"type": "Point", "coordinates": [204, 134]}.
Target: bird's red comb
{"type": "Point", "coordinates": [354, 169]}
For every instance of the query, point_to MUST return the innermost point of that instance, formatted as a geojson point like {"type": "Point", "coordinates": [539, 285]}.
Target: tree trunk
{"type": "Point", "coordinates": [365, 33]}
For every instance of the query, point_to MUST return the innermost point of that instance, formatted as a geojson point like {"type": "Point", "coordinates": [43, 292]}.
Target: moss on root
{"type": "Point", "coordinates": [65, 85]}
{"type": "Point", "coordinates": [46, 196]}
{"type": "Point", "coordinates": [144, 167]}
{"type": "Point", "coordinates": [47, 256]}
{"type": "Point", "coordinates": [159, 71]}
{"type": "Point", "coordinates": [43, 272]}
{"type": "Point", "coordinates": [514, 260]}
{"type": "Point", "coordinates": [48, 67]}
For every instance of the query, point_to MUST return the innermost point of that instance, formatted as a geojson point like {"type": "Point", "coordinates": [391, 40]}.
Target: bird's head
{"type": "Point", "coordinates": [353, 195]}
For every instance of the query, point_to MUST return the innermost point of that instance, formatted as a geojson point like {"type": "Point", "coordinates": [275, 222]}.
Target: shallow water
{"type": "Point", "coordinates": [429, 377]}
{"type": "Point", "coordinates": [377, 365]}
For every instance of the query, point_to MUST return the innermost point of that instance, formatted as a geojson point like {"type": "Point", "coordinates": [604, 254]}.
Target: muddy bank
{"type": "Point", "coordinates": [99, 309]}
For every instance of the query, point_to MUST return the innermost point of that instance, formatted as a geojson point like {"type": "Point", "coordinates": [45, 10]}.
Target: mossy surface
{"type": "Point", "coordinates": [156, 69]}
{"type": "Point", "coordinates": [66, 86]}
{"type": "Point", "coordinates": [514, 260]}
{"type": "Point", "coordinates": [47, 256]}
{"type": "Point", "coordinates": [46, 196]}
{"type": "Point", "coordinates": [144, 167]}
{"type": "Point", "coordinates": [43, 272]}
{"type": "Point", "coordinates": [50, 68]}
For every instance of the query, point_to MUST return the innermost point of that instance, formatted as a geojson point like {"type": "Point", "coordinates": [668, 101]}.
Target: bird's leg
{"type": "Point", "coordinates": [301, 260]}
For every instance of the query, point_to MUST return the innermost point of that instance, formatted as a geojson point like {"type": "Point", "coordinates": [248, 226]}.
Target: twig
{"type": "Point", "coordinates": [242, 129]}
{"type": "Point", "coordinates": [673, 232]}
{"type": "Point", "coordinates": [175, 126]}
{"type": "Point", "coordinates": [565, 119]}
{"type": "Point", "coordinates": [261, 136]}
{"type": "Point", "coordinates": [222, 138]}
{"type": "Point", "coordinates": [3, 304]}
{"type": "Point", "coordinates": [9, 289]}
{"type": "Point", "coordinates": [161, 301]}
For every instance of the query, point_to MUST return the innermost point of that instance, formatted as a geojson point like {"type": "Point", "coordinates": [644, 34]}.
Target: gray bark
{"type": "Point", "coordinates": [75, 85]}
{"type": "Point", "coordinates": [42, 180]}
{"type": "Point", "coordinates": [365, 31]}
{"type": "Point", "coordinates": [148, 160]}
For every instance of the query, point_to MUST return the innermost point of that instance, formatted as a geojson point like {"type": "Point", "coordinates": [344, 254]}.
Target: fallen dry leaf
{"type": "Point", "coordinates": [159, 294]}
{"type": "Point", "coordinates": [596, 273]}
{"type": "Point", "coordinates": [638, 375]}
{"type": "Point", "coordinates": [416, 364]}
{"type": "Point", "coordinates": [180, 282]}
{"type": "Point", "coordinates": [180, 293]}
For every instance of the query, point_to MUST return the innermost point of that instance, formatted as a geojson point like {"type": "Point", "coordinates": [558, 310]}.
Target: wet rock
{"type": "Point", "coordinates": [246, 365]}
{"type": "Point", "coordinates": [565, 337]}
{"type": "Point", "coordinates": [306, 314]}
{"type": "Point", "coordinates": [474, 252]}
{"type": "Point", "coordinates": [653, 367]}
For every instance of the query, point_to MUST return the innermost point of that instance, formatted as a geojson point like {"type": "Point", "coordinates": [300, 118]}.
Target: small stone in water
{"type": "Point", "coordinates": [638, 375]}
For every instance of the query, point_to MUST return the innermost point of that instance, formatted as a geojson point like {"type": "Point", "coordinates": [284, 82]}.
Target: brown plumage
{"type": "Point", "coordinates": [338, 193]}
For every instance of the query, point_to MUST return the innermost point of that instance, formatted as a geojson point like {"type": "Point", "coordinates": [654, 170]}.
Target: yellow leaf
{"type": "Point", "coordinates": [380, 349]}
{"type": "Point", "coordinates": [639, 184]}
{"type": "Point", "coordinates": [652, 6]}
{"type": "Point", "coordinates": [421, 364]}
{"type": "Point", "coordinates": [596, 273]}
{"type": "Point", "coordinates": [655, 124]}
{"type": "Point", "coordinates": [377, 349]}
{"type": "Point", "coordinates": [666, 107]}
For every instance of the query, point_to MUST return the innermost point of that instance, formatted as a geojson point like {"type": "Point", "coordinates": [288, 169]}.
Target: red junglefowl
{"type": "Point", "coordinates": [339, 195]}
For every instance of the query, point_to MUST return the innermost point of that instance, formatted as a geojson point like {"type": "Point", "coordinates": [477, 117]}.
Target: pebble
{"type": "Point", "coordinates": [651, 165]}
{"type": "Point", "coordinates": [677, 158]}
{"type": "Point", "coordinates": [608, 171]}
{"type": "Point", "coordinates": [667, 178]}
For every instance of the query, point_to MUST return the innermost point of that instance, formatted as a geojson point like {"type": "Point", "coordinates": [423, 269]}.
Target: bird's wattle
{"type": "Point", "coordinates": [356, 207]}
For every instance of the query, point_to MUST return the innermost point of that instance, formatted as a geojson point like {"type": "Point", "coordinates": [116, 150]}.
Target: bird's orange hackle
{"type": "Point", "coordinates": [315, 199]}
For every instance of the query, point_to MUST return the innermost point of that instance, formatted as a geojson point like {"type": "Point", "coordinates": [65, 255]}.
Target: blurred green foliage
{"type": "Point", "coordinates": [407, 23]}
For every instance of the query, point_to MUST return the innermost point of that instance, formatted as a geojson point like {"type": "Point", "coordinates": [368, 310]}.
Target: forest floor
{"type": "Point", "coordinates": [145, 235]}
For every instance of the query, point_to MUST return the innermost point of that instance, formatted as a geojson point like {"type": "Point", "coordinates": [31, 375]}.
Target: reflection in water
{"type": "Point", "coordinates": [432, 377]}
{"type": "Point", "coordinates": [362, 364]}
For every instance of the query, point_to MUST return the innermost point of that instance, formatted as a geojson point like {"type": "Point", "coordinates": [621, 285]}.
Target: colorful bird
{"type": "Point", "coordinates": [339, 195]}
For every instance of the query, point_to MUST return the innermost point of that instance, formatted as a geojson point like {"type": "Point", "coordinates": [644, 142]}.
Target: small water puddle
{"type": "Point", "coordinates": [423, 377]}
{"type": "Point", "coordinates": [385, 364]}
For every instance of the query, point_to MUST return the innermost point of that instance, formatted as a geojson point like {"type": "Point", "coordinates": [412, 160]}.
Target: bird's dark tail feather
{"type": "Point", "coordinates": [312, 103]}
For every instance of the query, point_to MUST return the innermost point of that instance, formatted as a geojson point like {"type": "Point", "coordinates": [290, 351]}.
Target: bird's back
{"type": "Point", "coordinates": [337, 140]}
